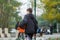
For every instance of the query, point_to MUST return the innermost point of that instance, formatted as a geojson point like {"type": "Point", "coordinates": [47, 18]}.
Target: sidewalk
{"type": "Point", "coordinates": [44, 37]}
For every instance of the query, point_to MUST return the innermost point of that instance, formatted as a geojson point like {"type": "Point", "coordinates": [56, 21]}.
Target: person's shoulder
{"type": "Point", "coordinates": [26, 16]}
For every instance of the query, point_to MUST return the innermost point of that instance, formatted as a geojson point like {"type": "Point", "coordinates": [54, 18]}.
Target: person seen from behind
{"type": "Point", "coordinates": [31, 24]}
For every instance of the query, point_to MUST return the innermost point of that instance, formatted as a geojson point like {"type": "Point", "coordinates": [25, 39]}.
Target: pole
{"type": "Point", "coordinates": [35, 15]}
{"type": "Point", "coordinates": [35, 8]}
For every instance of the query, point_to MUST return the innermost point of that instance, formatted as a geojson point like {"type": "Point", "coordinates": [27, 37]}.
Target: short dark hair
{"type": "Point", "coordinates": [30, 10]}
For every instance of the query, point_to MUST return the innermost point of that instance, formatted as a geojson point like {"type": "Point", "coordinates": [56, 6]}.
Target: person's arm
{"type": "Point", "coordinates": [23, 22]}
{"type": "Point", "coordinates": [36, 24]}
{"type": "Point", "coordinates": [35, 20]}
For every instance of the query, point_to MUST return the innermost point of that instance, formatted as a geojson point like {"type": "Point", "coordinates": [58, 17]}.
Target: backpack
{"type": "Point", "coordinates": [18, 27]}
{"type": "Point", "coordinates": [21, 30]}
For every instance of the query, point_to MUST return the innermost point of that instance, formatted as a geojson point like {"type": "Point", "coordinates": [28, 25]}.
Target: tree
{"type": "Point", "coordinates": [52, 8]}
{"type": "Point", "coordinates": [8, 11]}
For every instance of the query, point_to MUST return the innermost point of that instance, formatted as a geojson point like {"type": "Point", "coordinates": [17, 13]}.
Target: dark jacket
{"type": "Point", "coordinates": [31, 23]}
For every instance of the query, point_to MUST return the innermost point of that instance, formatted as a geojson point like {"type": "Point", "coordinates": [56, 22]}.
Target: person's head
{"type": "Point", "coordinates": [29, 10]}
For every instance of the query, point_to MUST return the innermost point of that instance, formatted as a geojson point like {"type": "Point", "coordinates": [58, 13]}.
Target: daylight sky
{"type": "Point", "coordinates": [26, 4]}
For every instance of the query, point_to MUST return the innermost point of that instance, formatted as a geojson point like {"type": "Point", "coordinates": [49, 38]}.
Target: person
{"type": "Point", "coordinates": [21, 31]}
{"type": "Point", "coordinates": [16, 26]}
{"type": "Point", "coordinates": [51, 29]}
{"type": "Point", "coordinates": [31, 24]}
{"type": "Point", "coordinates": [40, 32]}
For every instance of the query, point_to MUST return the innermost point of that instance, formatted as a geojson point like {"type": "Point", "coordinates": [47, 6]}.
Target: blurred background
{"type": "Point", "coordinates": [46, 12]}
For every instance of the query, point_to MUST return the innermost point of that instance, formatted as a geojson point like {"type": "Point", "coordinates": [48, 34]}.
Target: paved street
{"type": "Point", "coordinates": [44, 37]}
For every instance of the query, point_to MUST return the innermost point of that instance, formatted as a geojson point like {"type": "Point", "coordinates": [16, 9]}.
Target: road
{"type": "Point", "coordinates": [44, 37]}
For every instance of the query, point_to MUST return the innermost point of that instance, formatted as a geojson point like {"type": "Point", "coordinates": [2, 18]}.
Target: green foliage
{"type": "Point", "coordinates": [52, 8]}
{"type": "Point", "coordinates": [8, 12]}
